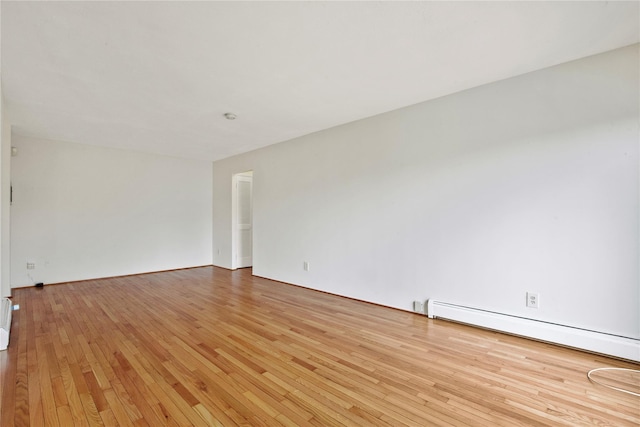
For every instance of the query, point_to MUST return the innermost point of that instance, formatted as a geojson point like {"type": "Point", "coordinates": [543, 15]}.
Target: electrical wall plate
{"type": "Point", "coordinates": [533, 300]}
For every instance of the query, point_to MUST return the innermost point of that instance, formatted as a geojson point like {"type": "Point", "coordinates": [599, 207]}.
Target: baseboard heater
{"type": "Point", "coordinates": [612, 345]}
{"type": "Point", "coordinates": [5, 322]}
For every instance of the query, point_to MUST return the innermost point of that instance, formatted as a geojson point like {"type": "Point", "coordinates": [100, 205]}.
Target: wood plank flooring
{"type": "Point", "coordinates": [210, 347]}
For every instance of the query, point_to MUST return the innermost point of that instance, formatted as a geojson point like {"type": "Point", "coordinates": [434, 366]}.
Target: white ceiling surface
{"type": "Point", "coordinates": [158, 76]}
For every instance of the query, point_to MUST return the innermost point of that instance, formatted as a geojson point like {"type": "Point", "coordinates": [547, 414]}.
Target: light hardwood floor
{"type": "Point", "coordinates": [207, 346]}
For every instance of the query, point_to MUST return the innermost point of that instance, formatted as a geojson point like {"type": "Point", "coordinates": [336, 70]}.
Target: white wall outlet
{"type": "Point", "coordinates": [15, 307]}
{"type": "Point", "coordinates": [418, 307]}
{"type": "Point", "coordinates": [305, 266]}
{"type": "Point", "coordinates": [31, 265]}
{"type": "Point", "coordinates": [533, 300]}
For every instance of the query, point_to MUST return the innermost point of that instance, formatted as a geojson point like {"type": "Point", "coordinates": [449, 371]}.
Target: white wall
{"type": "Point", "coordinates": [5, 208]}
{"type": "Point", "coordinates": [83, 212]}
{"type": "Point", "coordinates": [5, 164]}
{"type": "Point", "coordinates": [527, 184]}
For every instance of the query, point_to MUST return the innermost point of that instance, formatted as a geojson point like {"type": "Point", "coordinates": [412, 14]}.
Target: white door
{"type": "Point", "coordinates": [244, 220]}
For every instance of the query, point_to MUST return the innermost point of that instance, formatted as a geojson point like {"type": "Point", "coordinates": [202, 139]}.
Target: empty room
{"type": "Point", "coordinates": [319, 213]}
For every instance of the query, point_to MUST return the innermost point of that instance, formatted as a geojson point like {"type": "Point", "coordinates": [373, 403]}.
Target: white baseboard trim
{"type": "Point", "coordinates": [598, 342]}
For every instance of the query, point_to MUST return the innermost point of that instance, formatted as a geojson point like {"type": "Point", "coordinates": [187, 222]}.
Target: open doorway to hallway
{"type": "Point", "coordinates": [242, 220]}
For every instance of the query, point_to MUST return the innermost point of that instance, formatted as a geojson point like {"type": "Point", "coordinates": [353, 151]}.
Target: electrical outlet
{"type": "Point", "coordinates": [533, 300]}
{"type": "Point", "coordinates": [305, 266]}
{"type": "Point", "coordinates": [15, 307]}
{"type": "Point", "coordinates": [31, 265]}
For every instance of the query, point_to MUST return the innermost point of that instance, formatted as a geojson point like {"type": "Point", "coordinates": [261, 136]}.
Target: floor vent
{"type": "Point", "coordinates": [5, 322]}
{"type": "Point", "coordinates": [599, 342]}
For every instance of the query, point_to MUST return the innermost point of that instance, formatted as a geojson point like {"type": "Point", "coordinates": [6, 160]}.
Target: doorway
{"type": "Point", "coordinates": [242, 220]}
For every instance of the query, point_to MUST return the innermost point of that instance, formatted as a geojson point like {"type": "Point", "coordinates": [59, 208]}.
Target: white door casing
{"type": "Point", "coordinates": [243, 220]}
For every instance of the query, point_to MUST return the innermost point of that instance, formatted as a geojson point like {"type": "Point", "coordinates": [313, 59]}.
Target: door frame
{"type": "Point", "coordinates": [235, 260]}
